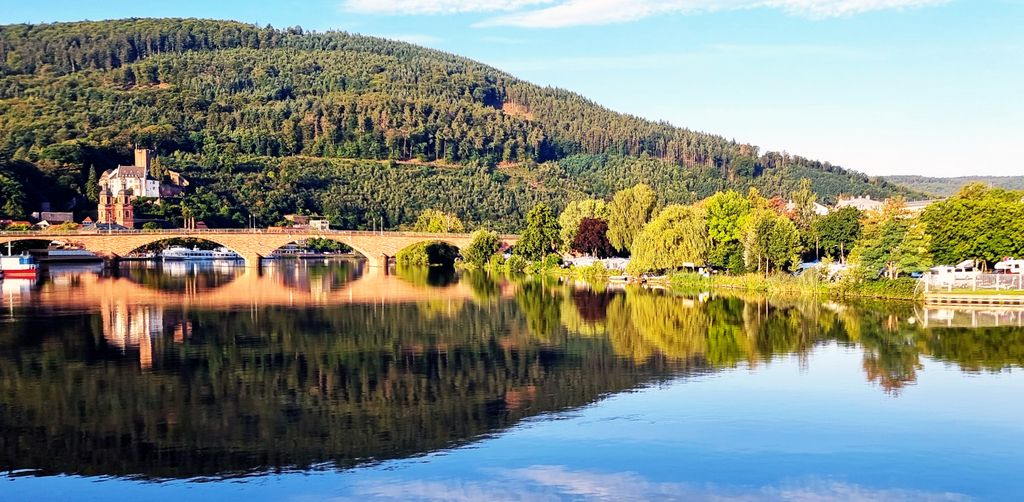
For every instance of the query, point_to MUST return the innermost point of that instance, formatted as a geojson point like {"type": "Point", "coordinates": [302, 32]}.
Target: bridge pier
{"type": "Point", "coordinates": [110, 260]}
{"type": "Point", "coordinates": [380, 261]}
{"type": "Point", "coordinates": [252, 260]}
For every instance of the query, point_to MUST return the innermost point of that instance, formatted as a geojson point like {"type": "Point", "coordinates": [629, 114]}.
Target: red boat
{"type": "Point", "coordinates": [19, 267]}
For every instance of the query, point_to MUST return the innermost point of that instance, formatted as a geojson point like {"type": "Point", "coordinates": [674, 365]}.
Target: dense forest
{"type": "Point", "coordinates": [945, 187]}
{"type": "Point", "coordinates": [379, 125]}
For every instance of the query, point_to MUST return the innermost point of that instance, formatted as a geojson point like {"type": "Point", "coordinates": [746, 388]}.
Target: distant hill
{"type": "Point", "coordinates": [247, 112]}
{"type": "Point", "coordinates": [944, 187]}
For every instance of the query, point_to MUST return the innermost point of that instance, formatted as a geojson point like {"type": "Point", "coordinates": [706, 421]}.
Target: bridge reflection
{"type": "Point", "coordinates": [223, 285]}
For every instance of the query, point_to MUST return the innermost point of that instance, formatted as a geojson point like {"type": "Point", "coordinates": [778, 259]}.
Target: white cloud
{"type": "Point", "coordinates": [553, 482]}
{"type": "Point", "coordinates": [414, 7]}
{"type": "Point", "coordinates": [600, 12]}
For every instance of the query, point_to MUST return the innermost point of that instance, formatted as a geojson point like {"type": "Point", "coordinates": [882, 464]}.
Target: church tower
{"type": "Point", "coordinates": [123, 209]}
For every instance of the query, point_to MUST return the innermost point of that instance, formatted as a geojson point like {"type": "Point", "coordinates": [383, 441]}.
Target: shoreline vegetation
{"type": "Point", "coordinates": [598, 276]}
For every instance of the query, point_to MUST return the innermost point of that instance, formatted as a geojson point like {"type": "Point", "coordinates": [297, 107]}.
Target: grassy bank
{"type": "Point", "coordinates": [804, 285]}
{"type": "Point", "coordinates": [899, 289]}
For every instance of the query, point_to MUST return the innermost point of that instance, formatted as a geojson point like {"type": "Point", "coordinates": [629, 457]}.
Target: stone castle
{"type": "Point", "coordinates": [121, 186]}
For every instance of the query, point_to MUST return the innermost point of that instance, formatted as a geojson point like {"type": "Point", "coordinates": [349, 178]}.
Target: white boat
{"type": "Point", "coordinates": [294, 251]}
{"type": "Point", "coordinates": [19, 267]}
{"type": "Point", "coordinates": [196, 254]}
{"type": "Point", "coordinates": [64, 254]}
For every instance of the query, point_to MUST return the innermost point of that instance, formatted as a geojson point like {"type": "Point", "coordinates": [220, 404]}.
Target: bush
{"type": "Point", "coordinates": [482, 247]}
{"type": "Point", "coordinates": [496, 263]}
{"type": "Point", "coordinates": [595, 273]}
{"type": "Point", "coordinates": [515, 264]}
{"type": "Point", "coordinates": [151, 225]}
{"type": "Point", "coordinates": [551, 261]}
{"type": "Point", "coordinates": [426, 254]}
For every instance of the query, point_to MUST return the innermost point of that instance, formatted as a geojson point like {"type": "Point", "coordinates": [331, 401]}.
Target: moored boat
{"type": "Point", "coordinates": [64, 255]}
{"type": "Point", "coordinates": [196, 254]}
{"type": "Point", "coordinates": [19, 267]}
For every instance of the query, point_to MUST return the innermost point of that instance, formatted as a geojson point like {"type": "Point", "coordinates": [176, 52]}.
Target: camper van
{"type": "Point", "coordinates": [963, 271]}
{"type": "Point", "coordinates": [1010, 267]}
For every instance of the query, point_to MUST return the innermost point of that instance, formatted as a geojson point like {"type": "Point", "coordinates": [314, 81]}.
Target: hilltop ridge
{"type": "Point", "coordinates": [280, 120]}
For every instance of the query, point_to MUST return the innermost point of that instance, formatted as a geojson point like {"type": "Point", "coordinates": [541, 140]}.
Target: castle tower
{"type": "Point", "coordinates": [143, 157]}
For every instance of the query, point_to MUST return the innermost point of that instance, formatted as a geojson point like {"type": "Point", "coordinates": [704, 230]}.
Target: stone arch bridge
{"type": "Point", "coordinates": [252, 244]}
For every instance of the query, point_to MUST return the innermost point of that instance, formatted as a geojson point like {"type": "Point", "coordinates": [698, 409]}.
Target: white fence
{"type": "Point", "coordinates": [977, 282]}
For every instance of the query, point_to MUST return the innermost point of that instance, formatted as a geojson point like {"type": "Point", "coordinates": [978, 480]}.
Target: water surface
{"type": "Point", "coordinates": [311, 380]}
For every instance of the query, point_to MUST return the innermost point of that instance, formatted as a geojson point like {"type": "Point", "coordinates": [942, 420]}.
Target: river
{"type": "Point", "coordinates": [311, 380]}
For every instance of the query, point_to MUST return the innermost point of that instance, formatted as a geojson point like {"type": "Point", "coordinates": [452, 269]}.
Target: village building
{"type": "Point", "coordinates": [917, 206]}
{"type": "Point", "coordinates": [304, 221]}
{"type": "Point", "coordinates": [54, 217]}
{"type": "Point", "coordinates": [819, 209]}
{"type": "Point", "coordinates": [863, 203]}
{"type": "Point", "coordinates": [297, 219]}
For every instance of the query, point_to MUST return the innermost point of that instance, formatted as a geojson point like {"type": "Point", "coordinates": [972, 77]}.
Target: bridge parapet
{"type": "Point", "coordinates": [252, 244]}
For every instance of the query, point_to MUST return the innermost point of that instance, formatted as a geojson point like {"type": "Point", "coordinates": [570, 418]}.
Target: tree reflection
{"type": "Point", "coordinates": [164, 389]}
{"type": "Point", "coordinates": [232, 391]}
{"type": "Point", "coordinates": [725, 330]}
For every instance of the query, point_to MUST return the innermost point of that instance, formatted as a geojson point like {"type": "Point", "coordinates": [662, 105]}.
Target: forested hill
{"type": "Point", "coordinates": [271, 121]}
{"type": "Point", "coordinates": [945, 187]}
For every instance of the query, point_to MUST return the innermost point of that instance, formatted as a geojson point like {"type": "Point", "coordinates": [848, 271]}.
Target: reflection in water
{"type": "Point", "coordinates": [195, 371]}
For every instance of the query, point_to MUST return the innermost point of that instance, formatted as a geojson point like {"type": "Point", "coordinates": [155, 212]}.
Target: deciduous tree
{"type": "Point", "coordinates": [592, 238]}
{"type": "Point", "coordinates": [574, 213]}
{"type": "Point", "coordinates": [541, 235]}
{"type": "Point", "coordinates": [483, 245]}
{"type": "Point", "coordinates": [677, 237]}
{"type": "Point", "coordinates": [435, 221]}
{"type": "Point", "coordinates": [727, 213]}
{"type": "Point", "coordinates": [630, 210]}
{"type": "Point", "coordinates": [838, 231]}
{"type": "Point", "coordinates": [771, 242]}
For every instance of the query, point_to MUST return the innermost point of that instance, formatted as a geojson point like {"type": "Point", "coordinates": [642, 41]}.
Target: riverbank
{"type": "Point", "coordinates": [886, 289]}
{"type": "Point", "coordinates": [807, 285]}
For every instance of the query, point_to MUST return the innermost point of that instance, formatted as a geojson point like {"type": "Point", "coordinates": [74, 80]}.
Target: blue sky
{"type": "Point", "coordinates": [882, 86]}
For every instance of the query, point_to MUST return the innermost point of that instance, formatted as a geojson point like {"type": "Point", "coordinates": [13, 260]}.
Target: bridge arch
{"type": "Point", "coordinates": [361, 250]}
{"type": "Point", "coordinates": [121, 253]}
{"type": "Point", "coordinates": [43, 239]}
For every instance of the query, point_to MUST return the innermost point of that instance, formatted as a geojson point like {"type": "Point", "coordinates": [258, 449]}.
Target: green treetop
{"type": "Point", "coordinates": [435, 221]}
{"type": "Point", "coordinates": [574, 213]}
{"type": "Point", "coordinates": [727, 214]}
{"type": "Point", "coordinates": [630, 210]}
{"type": "Point", "coordinates": [677, 237]}
{"type": "Point", "coordinates": [483, 245]}
{"type": "Point", "coordinates": [977, 223]}
{"type": "Point", "coordinates": [838, 231]}
{"type": "Point", "coordinates": [771, 242]}
{"type": "Point", "coordinates": [541, 236]}
{"type": "Point", "coordinates": [893, 244]}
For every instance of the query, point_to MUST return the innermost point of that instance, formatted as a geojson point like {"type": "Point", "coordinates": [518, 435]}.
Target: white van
{"type": "Point", "coordinates": [948, 274]}
{"type": "Point", "coordinates": [1010, 267]}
